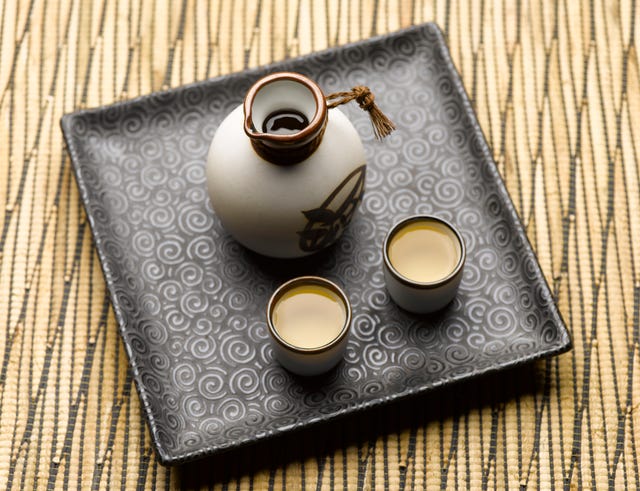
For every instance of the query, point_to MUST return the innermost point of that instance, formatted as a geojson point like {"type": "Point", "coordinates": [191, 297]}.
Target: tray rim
{"type": "Point", "coordinates": [168, 458]}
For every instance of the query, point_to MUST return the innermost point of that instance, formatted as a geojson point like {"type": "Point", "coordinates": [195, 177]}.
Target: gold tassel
{"type": "Point", "coordinates": [382, 125]}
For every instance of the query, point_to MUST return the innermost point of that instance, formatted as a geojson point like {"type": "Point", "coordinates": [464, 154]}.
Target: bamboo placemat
{"type": "Point", "coordinates": [557, 91]}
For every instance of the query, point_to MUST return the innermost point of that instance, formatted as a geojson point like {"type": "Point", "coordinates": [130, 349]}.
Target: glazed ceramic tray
{"type": "Point", "coordinates": [190, 301]}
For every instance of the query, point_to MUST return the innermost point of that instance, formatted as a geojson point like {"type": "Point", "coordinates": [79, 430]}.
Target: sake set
{"type": "Point", "coordinates": [285, 174]}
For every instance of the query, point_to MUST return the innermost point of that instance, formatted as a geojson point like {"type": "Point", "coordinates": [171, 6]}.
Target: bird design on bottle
{"type": "Point", "coordinates": [327, 222]}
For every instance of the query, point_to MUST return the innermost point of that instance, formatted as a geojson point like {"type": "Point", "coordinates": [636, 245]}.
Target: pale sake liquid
{"type": "Point", "coordinates": [309, 316]}
{"type": "Point", "coordinates": [424, 251]}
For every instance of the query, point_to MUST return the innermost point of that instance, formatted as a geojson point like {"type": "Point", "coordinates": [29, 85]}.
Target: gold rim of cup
{"type": "Point", "coordinates": [308, 280]}
{"type": "Point", "coordinates": [418, 284]}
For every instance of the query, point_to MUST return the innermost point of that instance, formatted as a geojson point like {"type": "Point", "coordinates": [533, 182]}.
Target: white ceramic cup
{"type": "Point", "coordinates": [302, 360]}
{"type": "Point", "coordinates": [423, 297]}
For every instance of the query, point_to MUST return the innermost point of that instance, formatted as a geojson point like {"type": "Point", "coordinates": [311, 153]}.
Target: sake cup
{"type": "Point", "coordinates": [309, 319]}
{"type": "Point", "coordinates": [423, 263]}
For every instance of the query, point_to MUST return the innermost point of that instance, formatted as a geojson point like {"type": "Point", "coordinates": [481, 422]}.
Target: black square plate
{"type": "Point", "coordinates": [190, 302]}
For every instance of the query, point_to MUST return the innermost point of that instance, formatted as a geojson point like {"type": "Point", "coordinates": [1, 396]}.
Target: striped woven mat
{"type": "Point", "coordinates": [557, 90]}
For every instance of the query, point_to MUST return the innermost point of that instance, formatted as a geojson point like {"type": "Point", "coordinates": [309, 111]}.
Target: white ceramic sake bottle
{"type": "Point", "coordinates": [285, 174]}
